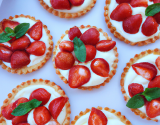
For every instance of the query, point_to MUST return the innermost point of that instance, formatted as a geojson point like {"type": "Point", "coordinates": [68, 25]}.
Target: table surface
{"type": "Point", "coordinates": [107, 96]}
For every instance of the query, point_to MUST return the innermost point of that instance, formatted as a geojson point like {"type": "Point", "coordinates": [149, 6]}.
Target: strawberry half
{"type": "Point", "coordinates": [5, 54]}
{"type": "Point", "coordinates": [123, 1]}
{"type": "Point", "coordinates": [76, 2]}
{"type": "Point", "coordinates": [74, 32]}
{"type": "Point", "coordinates": [155, 82]}
{"type": "Point", "coordinates": [157, 62]}
{"type": "Point", "coordinates": [9, 23]}
{"type": "Point", "coordinates": [90, 52]}
{"type": "Point", "coordinates": [135, 88]}
{"type": "Point", "coordinates": [157, 17]}
{"type": "Point", "coordinates": [61, 4]}
{"type": "Point", "coordinates": [156, 1]}
{"type": "Point", "coordinates": [19, 119]}
{"type": "Point", "coordinates": [139, 3]}
{"type": "Point", "coordinates": [6, 45]}
{"type": "Point", "coordinates": [19, 101]}
{"type": "Point", "coordinates": [6, 112]}
{"type": "Point", "coordinates": [66, 46]}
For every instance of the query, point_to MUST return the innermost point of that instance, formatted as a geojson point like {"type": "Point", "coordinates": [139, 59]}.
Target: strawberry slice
{"type": "Point", "coordinates": [23, 124]}
{"type": "Point", "coordinates": [156, 1]}
{"type": "Point", "coordinates": [61, 4]}
{"type": "Point", "coordinates": [19, 101]}
{"type": "Point", "coordinates": [150, 26]}
{"type": "Point", "coordinates": [7, 45]}
{"type": "Point", "coordinates": [19, 119]}
{"type": "Point", "coordinates": [155, 82]}
{"type": "Point", "coordinates": [105, 45]}
{"type": "Point", "coordinates": [19, 59]}
{"type": "Point", "coordinates": [41, 95]}
{"type": "Point", "coordinates": [9, 23]}
{"type": "Point", "coordinates": [56, 106]}
{"type": "Point", "coordinates": [76, 2]}
{"type": "Point", "coordinates": [90, 52]}
{"type": "Point", "coordinates": [74, 32]}
{"type": "Point", "coordinates": [121, 12]}
{"type": "Point", "coordinates": [139, 3]}
{"type": "Point", "coordinates": [66, 46]}
{"type": "Point", "coordinates": [41, 115]}
{"type": "Point", "coordinates": [5, 54]}
{"type": "Point", "coordinates": [6, 112]}
{"type": "Point", "coordinates": [135, 88]}
{"type": "Point", "coordinates": [132, 24]}
{"type": "Point", "coordinates": [145, 69]}
{"type": "Point", "coordinates": [35, 32]}
{"type": "Point", "coordinates": [157, 62]}
{"type": "Point", "coordinates": [97, 117]}
{"type": "Point", "coordinates": [157, 17]}
{"type": "Point", "coordinates": [100, 67]}
{"type": "Point", "coordinates": [123, 1]}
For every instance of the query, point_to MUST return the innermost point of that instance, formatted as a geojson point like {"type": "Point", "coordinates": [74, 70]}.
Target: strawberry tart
{"type": "Point", "coordinates": [140, 84]}
{"type": "Point", "coordinates": [36, 102]}
{"type": "Point", "coordinates": [85, 57]}
{"type": "Point", "coordinates": [100, 116]}
{"type": "Point", "coordinates": [25, 44]}
{"type": "Point", "coordinates": [133, 21]}
{"type": "Point", "coordinates": [68, 8]}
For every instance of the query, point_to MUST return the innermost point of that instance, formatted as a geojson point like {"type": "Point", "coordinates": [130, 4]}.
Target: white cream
{"type": "Point", "coordinates": [136, 10]}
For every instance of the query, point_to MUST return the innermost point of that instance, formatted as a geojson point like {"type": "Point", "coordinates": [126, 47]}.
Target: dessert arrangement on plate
{"type": "Point", "coordinates": [25, 44]}
{"type": "Point", "coordinates": [36, 102]}
{"type": "Point", "coordinates": [133, 21]}
{"type": "Point", "coordinates": [68, 8]}
{"type": "Point", "coordinates": [85, 57]}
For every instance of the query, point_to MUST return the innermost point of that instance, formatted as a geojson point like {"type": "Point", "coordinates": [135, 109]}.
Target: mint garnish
{"type": "Point", "coordinates": [151, 10]}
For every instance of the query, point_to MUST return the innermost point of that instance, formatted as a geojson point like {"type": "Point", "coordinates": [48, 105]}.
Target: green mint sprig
{"type": "Point", "coordinates": [151, 10]}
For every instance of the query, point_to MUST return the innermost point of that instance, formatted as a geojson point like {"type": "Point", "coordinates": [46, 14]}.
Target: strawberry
{"type": "Point", "coordinates": [5, 54]}
{"type": "Point", "coordinates": [23, 124]}
{"type": "Point", "coordinates": [21, 43]}
{"type": "Point", "coordinates": [35, 32]}
{"type": "Point", "coordinates": [123, 1]}
{"type": "Point", "coordinates": [64, 60]}
{"type": "Point", "coordinates": [56, 106]}
{"type": "Point", "coordinates": [41, 95]}
{"type": "Point", "coordinates": [74, 32]}
{"type": "Point", "coordinates": [19, 59]}
{"type": "Point", "coordinates": [76, 2]}
{"type": "Point", "coordinates": [41, 115]}
{"type": "Point", "coordinates": [157, 17]}
{"type": "Point", "coordinates": [97, 117]}
{"type": "Point", "coordinates": [156, 1]}
{"type": "Point", "coordinates": [150, 26]}
{"type": "Point", "coordinates": [19, 101]}
{"type": "Point", "coordinates": [121, 12]}
{"type": "Point", "coordinates": [37, 48]}
{"type": "Point", "coordinates": [132, 24]}
{"type": "Point", "coordinates": [66, 46]}
{"type": "Point", "coordinates": [145, 69]}
{"type": "Point", "coordinates": [78, 76]}
{"type": "Point", "coordinates": [9, 23]}
{"type": "Point", "coordinates": [155, 82]}
{"type": "Point", "coordinates": [6, 45]}
{"type": "Point", "coordinates": [13, 39]}
{"type": "Point", "coordinates": [105, 45]}
{"type": "Point", "coordinates": [100, 67]}
{"type": "Point", "coordinates": [91, 36]}
{"type": "Point", "coordinates": [61, 4]}
{"type": "Point", "coordinates": [134, 89]}
{"type": "Point", "coordinates": [139, 3]}
{"type": "Point", "coordinates": [6, 112]}
{"type": "Point", "coordinates": [19, 119]}
{"type": "Point", "coordinates": [90, 52]}
{"type": "Point", "coordinates": [157, 62]}
{"type": "Point", "coordinates": [153, 108]}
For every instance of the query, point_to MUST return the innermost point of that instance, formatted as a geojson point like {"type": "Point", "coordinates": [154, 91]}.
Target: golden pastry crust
{"type": "Point", "coordinates": [122, 118]}
{"type": "Point", "coordinates": [25, 69]}
{"type": "Point", "coordinates": [67, 15]}
{"type": "Point", "coordinates": [114, 65]}
{"type": "Point", "coordinates": [36, 82]}
{"type": "Point", "coordinates": [128, 65]}
{"type": "Point", "coordinates": [118, 35]}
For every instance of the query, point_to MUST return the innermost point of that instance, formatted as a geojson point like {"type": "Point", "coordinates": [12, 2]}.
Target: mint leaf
{"type": "Point", "coordinates": [5, 37]}
{"type": "Point", "coordinates": [24, 108]}
{"type": "Point", "coordinates": [8, 30]}
{"type": "Point", "coordinates": [151, 10]}
{"type": "Point", "coordinates": [151, 93]}
{"type": "Point", "coordinates": [79, 49]}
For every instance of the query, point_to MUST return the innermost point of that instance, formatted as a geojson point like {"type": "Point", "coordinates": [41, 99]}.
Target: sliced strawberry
{"type": "Point", "coordinates": [66, 46]}
{"type": "Point", "coordinates": [19, 59]}
{"type": "Point", "coordinates": [23, 124]}
{"type": "Point", "coordinates": [97, 117]}
{"type": "Point", "coordinates": [105, 45]}
{"type": "Point", "coordinates": [41, 115]}
{"type": "Point", "coordinates": [90, 52]}
{"type": "Point", "coordinates": [56, 106]}
{"type": "Point", "coordinates": [41, 95]}
{"type": "Point", "coordinates": [100, 67]}
{"type": "Point", "coordinates": [150, 26]}
{"type": "Point", "coordinates": [156, 1]}
{"type": "Point", "coordinates": [7, 45]}
{"type": "Point", "coordinates": [61, 4]}
{"type": "Point", "coordinates": [78, 76]}
{"type": "Point", "coordinates": [139, 3]}
{"type": "Point", "coordinates": [9, 23]}
{"type": "Point", "coordinates": [134, 89]}
{"type": "Point", "coordinates": [145, 69]}
{"type": "Point", "coordinates": [123, 1]}
{"type": "Point", "coordinates": [74, 32]}
{"type": "Point", "coordinates": [19, 101]}
{"type": "Point", "coordinates": [157, 17]}
{"type": "Point", "coordinates": [121, 12]}
{"type": "Point", "coordinates": [157, 62]}
{"type": "Point", "coordinates": [6, 112]}
{"type": "Point", "coordinates": [76, 2]}
{"type": "Point", "coordinates": [64, 60]}
{"type": "Point", "coordinates": [5, 54]}
{"type": "Point", "coordinates": [132, 24]}
{"type": "Point", "coordinates": [35, 32]}
{"type": "Point", "coordinates": [19, 119]}
{"type": "Point", "coordinates": [21, 43]}
{"type": "Point", "coordinates": [155, 82]}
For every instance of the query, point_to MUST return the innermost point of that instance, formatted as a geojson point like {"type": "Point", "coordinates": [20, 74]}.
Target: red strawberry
{"type": "Point", "coordinates": [41, 95]}
{"type": "Point", "coordinates": [19, 101]}
{"type": "Point", "coordinates": [66, 46]}
{"type": "Point", "coordinates": [134, 89]}
{"type": "Point", "coordinates": [9, 23]}
{"type": "Point", "coordinates": [121, 12]}
{"type": "Point", "coordinates": [61, 4]}
{"type": "Point", "coordinates": [19, 119]}
{"type": "Point", "coordinates": [7, 45]}
{"type": "Point", "coordinates": [132, 24]}
{"type": "Point", "coordinates": [6, 112]}
{"type": "Point", "coordinates": [157, 17]}
{"type": "Point", "coordinates": [139, 3]}
{"type": "Point", "coordinates": [100, 67]}
{"type": "Point", "coordinates": [21, 43]}
{"type": "Point", "coordinates": [156, 1]}
{"type": "Point", "coordinates": [19, 59]}
{"type": "Point", "coordinates": [150, 26]}
{"type": "Point", "coordinates": [35, 32]}
{"type": "Point", "coordinates": [5, 54]}
{"type": "Point", "coordinates": [90, 52]}
{"type": "Point", "coordinates": [97, 117]}
{"type": "Point", "coordinates": [41, 115]}
{"type": "Point", "coordinates": [23, 124]}
{"type": "Point", "coordinates": [105, 45]}
{"type": "Point", "coordinates": [56, 106]}
{"type": "Point", "coordinates": [157, 62]}
{"type": "Point", "coordinates": [13, 39]}
{"type": "Point", "coordinates": [123, 1]}
{"type": "Point", "coordinates": [155, 82]}
{"type": "Point", "coordinates": [37, 48]}
{"type": "Point", "coordinates": [76, 2]}
{"type": "Point", "coordinates": [64, 60]}
{"type": "Point", "coordinates": [145, 69]}
{"type": "Point", "coordinates": [78, 76]}
{"type": "Point", "coordinates": [74, 32]}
